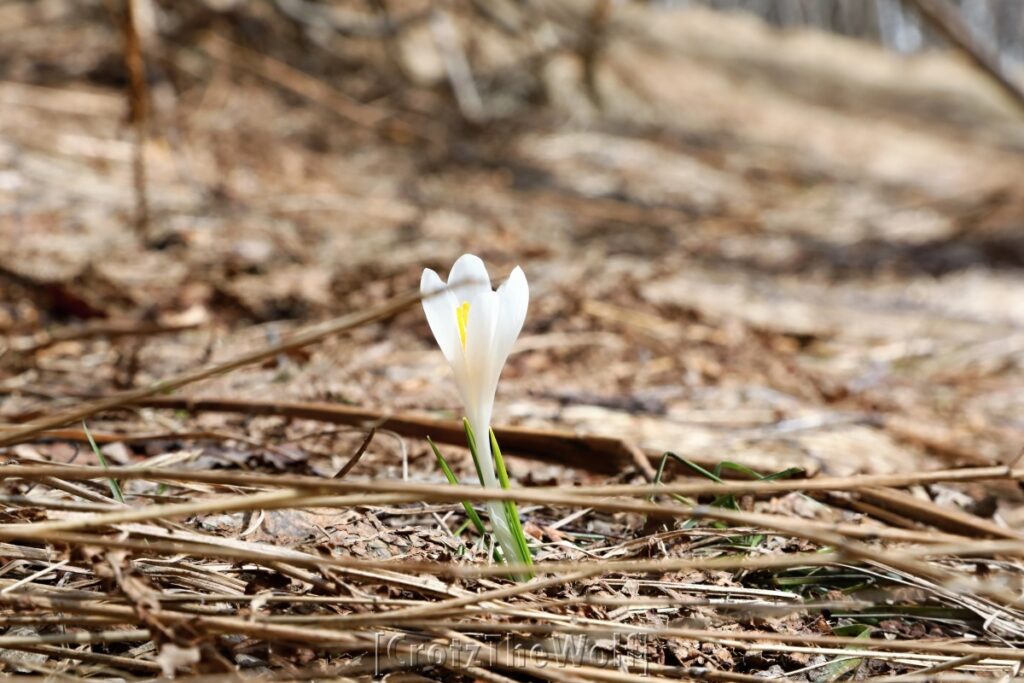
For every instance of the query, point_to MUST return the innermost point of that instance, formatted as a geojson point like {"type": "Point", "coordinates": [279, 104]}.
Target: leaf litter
{"type": "Point", "coordinates": [828, 285]}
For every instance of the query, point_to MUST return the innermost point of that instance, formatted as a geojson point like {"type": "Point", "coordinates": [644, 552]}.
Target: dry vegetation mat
{"type": "Point", "coordinates": [166, 566]}
{"type": "Point", "coordinates": [763, 420]}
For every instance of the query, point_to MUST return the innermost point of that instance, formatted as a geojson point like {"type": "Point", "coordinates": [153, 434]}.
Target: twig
{"type": "Point", "coordinates": [53, 504]}
{"type": "Point", "coordinates": [582, 496]}
{"type": "Point", "coordinates": [103, 329]}
{"type": "Point", "coordinates": [78, 435]}
{"type": "Point", "coordinates": [689, 488]}
{"type": "Point", "coordinates": [591, 46]}
{"type": "Point", "coordinates": [357, 455]}
{"type": "Point", "coordinates": [948, 22]}
{"type": "Point", "coordinates": [948, 519]}
{"type": "Point", "coordinates": [824, 534]}
{"type": "Point", "coordinates": [32, 577]}
{"type": "Point", "coordinates": [460, 75]}
{"type": "Point", "coordinates": [324, 637]}
{"type": "Point", "coordinates": [269, 555]}
{"type": "Point", "coordinates": [305, 337]}
{"type": "Point", "coordinates": [938, 668]}
{"type": "Point", "coordinates": [138, 98]}
{"type": "Point", "coordinates": [285, 76]}
{"type": "Point", "coordinates": [64, 638]}
{"type": "Point", "coordinates": [63, 653]}
{"type": "Point", "coordinates": [758, 640]}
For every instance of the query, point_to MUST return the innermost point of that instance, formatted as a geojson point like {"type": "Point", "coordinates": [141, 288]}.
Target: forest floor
{"type": "Point", "coordinates": [773, 249]}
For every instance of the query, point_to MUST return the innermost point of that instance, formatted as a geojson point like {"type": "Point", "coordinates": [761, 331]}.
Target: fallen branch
{"type": "Point", "coordinates": [600, 454]}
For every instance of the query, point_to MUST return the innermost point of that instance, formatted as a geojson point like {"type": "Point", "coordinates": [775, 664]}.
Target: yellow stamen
{"type": "Point", "coordinates": [462, 315]}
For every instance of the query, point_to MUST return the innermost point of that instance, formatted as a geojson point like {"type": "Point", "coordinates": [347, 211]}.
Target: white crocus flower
{"type": "Point", "coordinates": [476, 327]}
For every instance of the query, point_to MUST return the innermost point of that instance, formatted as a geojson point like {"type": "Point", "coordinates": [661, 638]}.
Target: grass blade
{"type": "Point", "coordinates": [471, 439]}
{"type": "Point", "coordinates": [453, 480]}
{"type": "Point", "coordinates": [661, 473]}
{"type": "Point", "coordinates": [743, 469]}
{"type": "Point", "coordinates": [729, 502]}
{"type": "Point", "coordinates": [842, 666]}
{"type": "Point", "coordinates": [115, 488]}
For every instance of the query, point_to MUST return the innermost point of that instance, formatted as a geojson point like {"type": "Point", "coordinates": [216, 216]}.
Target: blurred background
{"type": "Point", "coordinates": [781, 232]}
{"type": "Point", "coordinates": [997, 25]}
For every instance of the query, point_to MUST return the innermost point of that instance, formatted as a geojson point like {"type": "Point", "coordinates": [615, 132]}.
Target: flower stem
{"type": "Point", "coordinates": [511, 510]}
{"type": "Point", "coordinates": [515, 549]}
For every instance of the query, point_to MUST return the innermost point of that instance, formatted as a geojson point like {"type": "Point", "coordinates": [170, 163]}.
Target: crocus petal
{"type": "Point", "coordinates": [469, 279]}
{"type": "Point", "coordinates": [439, 304]}
{"type": "Point", "coordinates": [482, 379]}
{"type": "Point", "coordinates": [513, 300]}
{"type": "Point", "coordinates": [483, 317]}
